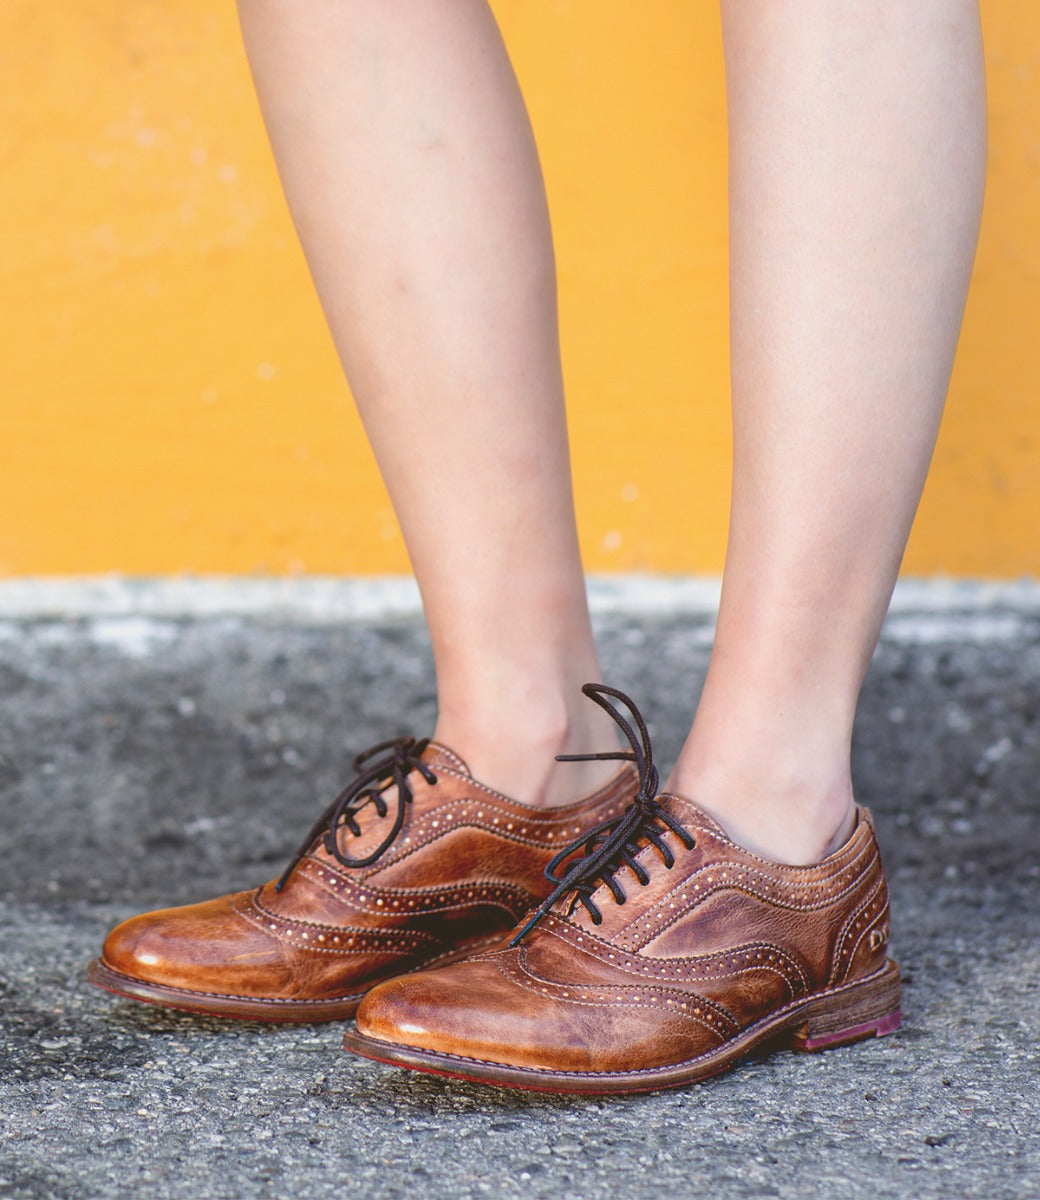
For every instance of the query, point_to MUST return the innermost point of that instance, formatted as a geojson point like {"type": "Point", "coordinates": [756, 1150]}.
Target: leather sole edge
{"type": "Point", "coordinates": [243, 1008]}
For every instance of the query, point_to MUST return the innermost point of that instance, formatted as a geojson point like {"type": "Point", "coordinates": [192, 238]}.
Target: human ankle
{"type": "Point", "coordinates": [513, 747]}
{"type": "Point", "coordinates": [788, 818]}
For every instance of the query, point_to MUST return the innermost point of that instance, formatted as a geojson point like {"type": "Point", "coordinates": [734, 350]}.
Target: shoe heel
{"type": "Point", "coordinates": [866, 1009]}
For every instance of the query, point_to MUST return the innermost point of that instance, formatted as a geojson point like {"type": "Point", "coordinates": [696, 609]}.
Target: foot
{"type": "Point", "coordinates": [414, 865]}
{"type": "Point", "coordinates": [666, 956]}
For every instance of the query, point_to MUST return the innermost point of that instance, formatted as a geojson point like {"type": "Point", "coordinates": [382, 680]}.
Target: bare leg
{"type": "Point", "coordinates": [408, 162]}
{"type": "Point", "coordinates": [857, 152]}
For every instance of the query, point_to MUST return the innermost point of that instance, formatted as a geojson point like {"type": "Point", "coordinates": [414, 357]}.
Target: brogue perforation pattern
{"type": "Point", "coordinates": [388, 903]}
{"type": "Point", "coordinates": [682, 1004]}
{"type": "Point", "coordinates": [807, 895]}
{"type": "Point", "coordinates": [505, 824]}
{"type": "Point", "coordinates": [343, 939]}
{"type": "Point", "coordinates": [701, 967]}
{"type": "Point", "coordinates": [856, 928]}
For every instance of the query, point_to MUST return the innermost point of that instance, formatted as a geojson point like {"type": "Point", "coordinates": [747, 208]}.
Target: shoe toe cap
{"type": "Point", "coordinates": [204, 947]}
{"type": "Point", "coordinates": [469, 1010]}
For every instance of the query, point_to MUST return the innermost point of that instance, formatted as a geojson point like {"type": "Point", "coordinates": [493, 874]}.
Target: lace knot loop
{"type": "Point", "coordinates": [378, 767]}
{"type": "Point", "coordinates": [614, 843]}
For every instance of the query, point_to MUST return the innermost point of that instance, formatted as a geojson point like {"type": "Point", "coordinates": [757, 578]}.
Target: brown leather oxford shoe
{"type": "Point", "coordinates": [663, 955]}
{"type": "Point", "coordinates": [415, 864]}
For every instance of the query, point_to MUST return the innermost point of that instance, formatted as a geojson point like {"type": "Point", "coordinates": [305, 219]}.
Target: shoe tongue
{"type": "Point", "coordinates": [435, 755]}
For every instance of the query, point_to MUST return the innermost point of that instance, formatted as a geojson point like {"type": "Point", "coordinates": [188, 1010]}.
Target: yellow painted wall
{"type": "Point", "coordinates": [170, 399]}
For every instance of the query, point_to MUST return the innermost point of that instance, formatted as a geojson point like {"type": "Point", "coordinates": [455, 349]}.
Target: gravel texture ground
{"type": "Point", "coordinates": [151, 760]}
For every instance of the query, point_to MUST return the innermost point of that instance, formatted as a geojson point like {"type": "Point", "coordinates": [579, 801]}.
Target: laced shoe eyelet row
{"type": "Point", "coordinates": [615, 843]}
{"type": "Point", "coordinates": [378, 767]}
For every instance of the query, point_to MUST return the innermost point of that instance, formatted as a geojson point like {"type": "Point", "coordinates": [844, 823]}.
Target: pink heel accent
{"type": "Point", "coordinates": [868, 1008]}
{"type": "Point", "coordinates": [856, 1033]}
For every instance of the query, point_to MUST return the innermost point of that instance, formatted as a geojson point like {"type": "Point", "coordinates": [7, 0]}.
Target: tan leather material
{"type": "Point", "coordinates": [467, 863]}
{"type": "Point", "coordinates": [712, 955]}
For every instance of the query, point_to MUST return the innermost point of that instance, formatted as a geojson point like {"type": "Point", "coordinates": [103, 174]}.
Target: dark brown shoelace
{"type": "Point", "coordinates": [374, 777]}
{"type": "Point", "coordinates": [613, 844]}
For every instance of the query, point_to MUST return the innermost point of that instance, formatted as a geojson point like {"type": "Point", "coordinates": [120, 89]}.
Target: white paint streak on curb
{"type": "Point", "coordinates": [932, 610]}
{"type": "Point", "coordinates": [306, 600]}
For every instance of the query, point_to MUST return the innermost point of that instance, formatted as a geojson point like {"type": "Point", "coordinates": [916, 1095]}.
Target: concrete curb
{"type": "Point", "coordinates": [325, 600]}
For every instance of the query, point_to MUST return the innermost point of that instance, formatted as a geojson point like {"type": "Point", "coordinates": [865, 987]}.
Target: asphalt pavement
{"type": "Point", "coordinates": [153, 754]}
